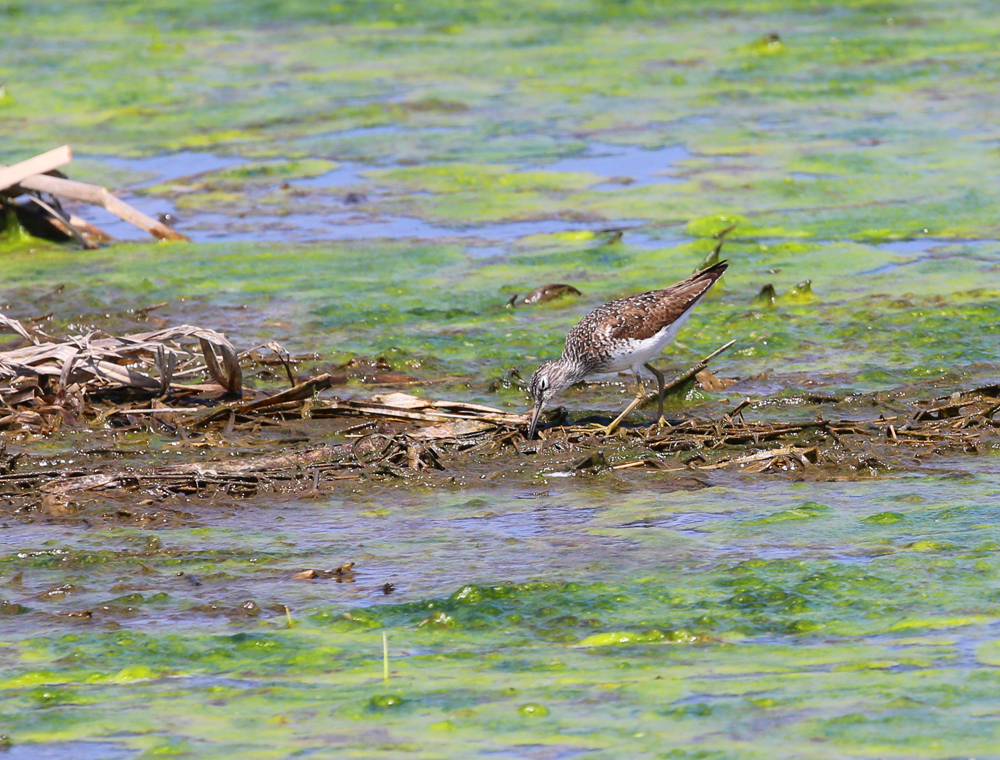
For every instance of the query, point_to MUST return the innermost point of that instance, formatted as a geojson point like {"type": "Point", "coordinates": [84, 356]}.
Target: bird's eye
{"type": "Point", "coordinates": [543, 384]}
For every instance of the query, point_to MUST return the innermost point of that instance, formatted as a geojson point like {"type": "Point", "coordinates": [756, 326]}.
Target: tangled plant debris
{"type": "Point", "coordinates": [58, 379]}
{"type": "Point", "coordinates": [133, 383]}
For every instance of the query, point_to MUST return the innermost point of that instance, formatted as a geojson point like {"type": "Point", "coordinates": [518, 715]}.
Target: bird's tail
{"type": "Point", "coordinates": [712, 273]}
{"type": "Point", "coordinates": [699, 283]}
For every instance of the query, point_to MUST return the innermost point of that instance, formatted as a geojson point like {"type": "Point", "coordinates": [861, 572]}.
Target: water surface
{"type": "Point", "coordinates": [375, 181]}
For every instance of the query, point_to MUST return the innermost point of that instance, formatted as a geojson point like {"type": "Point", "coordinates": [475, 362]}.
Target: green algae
{"type": "Point", "coordinates": [437, 309]}
{"type": "Point", "coordinates": [884, 518]}
{"type": "Point", "coordinates": [686, 647]}
{"type": "Point", "coordinates": [456, 178]}
{"type": "Point", "coordinates": [754, 618]}
{"type": "Point", "coordinates": [754, 111]}
{"type": "Point", "coordinates": [533, 710]}
{"type": "Point", "coordinates": [807, 511]}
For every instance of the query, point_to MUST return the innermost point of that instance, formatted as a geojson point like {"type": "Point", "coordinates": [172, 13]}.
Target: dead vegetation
{"type": "Point", "coordinates": [54, 382]}
{"type": "Point", "coordinates": [403, 437]}
{"type": "Point", "coordinates": [187, 383]}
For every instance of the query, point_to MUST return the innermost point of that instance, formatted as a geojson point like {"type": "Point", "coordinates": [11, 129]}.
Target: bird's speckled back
{"type": "Point", "coordinates": [608, 329]}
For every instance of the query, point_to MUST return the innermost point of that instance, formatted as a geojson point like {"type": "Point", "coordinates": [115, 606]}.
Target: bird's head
{"type": "Point", "coordinates": [550, 379]}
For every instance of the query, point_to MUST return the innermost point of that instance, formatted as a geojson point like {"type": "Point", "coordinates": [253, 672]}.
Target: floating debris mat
{"type": "Point", "coordinates": [441, 440]}
{"type": "Point", "coordinates": [187, 382]}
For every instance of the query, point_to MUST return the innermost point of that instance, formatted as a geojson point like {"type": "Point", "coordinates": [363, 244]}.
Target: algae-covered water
{"type": "Point", "coordinates": [374, 181]}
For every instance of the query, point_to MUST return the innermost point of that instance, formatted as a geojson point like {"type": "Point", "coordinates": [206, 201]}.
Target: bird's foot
{"type": "Point", "coordinates": [599, 429]}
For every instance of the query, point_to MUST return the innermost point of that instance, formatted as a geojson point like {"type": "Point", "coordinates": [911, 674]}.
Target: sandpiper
{"type": "Point", "coordinates": [622, 334]}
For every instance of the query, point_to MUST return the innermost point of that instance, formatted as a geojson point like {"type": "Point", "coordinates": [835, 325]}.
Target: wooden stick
{"type": "Point", "coordinates": [297, 393]}
{"type": "Point", "coordinates": [60, 222]}
{"type": "Point", "coordinates": [100, 196]}
{"type": "Point", "coordinates": [87, 228]}
{"type": "Point", "coordinates": [739, 408]}
{"type": "Point", "coordinates": [162, 410]}
{"type": "Point", "coordinates": [758, 457]}
{"type": "Point", "coordinates": [45, 162]}
{"type": "Point", "coordinates": [688, 374]}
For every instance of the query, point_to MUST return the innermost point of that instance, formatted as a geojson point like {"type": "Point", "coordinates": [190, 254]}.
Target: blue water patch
{"type": "Point", "coordinates": [349, 226]}
{"type": "Point", "coordinates": [634, 165]}
{"type": "Point", "coordinates": [68, 751]}
{"type": "Point", "coordinates": [172, 166]}
{"type": "Point", "coordinates": [922, 245]}
{"type": "Point", "coordinates": [644, 166]}
{"type": "Point", "coordinates": [914, 246]}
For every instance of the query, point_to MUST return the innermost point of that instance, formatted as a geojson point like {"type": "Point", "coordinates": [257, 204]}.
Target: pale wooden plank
{"type": "Point", "coordinates": [44, 162]}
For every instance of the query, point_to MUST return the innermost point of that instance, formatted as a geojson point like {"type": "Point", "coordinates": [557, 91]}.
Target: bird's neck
{"type": "Point", "coordinates": [572, 370]}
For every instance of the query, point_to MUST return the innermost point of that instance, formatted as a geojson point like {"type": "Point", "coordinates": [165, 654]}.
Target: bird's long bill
{"type": "Point", "coordinates": [536, 414]}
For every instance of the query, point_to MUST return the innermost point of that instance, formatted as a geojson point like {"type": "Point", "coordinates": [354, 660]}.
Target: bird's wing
{"type": "Point", "coordinates": [642, 316]}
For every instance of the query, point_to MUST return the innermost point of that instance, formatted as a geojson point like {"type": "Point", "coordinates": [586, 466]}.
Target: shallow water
{"type": "Point", "coordinates": [634, 165]}
{"type": "Point", "coordinates": [69, 751]}
{"type": "Point", "coordinates": [728, 618]}
{"type": "Point", "coordinates": [714, 617]}
{"type": "Point", "coordinates": [640, 166]}
{"type": "Point", "coordinates": [164, 167]}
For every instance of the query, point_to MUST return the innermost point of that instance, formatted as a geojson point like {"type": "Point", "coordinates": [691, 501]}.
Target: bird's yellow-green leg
{"type": "Point", "coordinates": [660, 380]}
{"type": "Point", "coordinates": [640, 396]}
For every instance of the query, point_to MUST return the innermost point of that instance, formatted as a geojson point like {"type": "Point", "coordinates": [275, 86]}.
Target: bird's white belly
{"type": "Point", "coordinates": [633, 354]}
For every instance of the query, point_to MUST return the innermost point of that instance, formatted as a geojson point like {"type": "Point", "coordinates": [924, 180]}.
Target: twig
{"type": "Point", "coordinates": [760, 456]}
{"type": "Point", "coordinates": [688, 374]}
{"type": "Point", "coordinates": [147, 309]}
{"type": "Point", "coordinates": [64, 223]}
{"type": "Point", "coordinates": [298, 393]}
{"type": "Point", "coordinates": [278, 350]}
{"type": "Point", "coordinates": [161, 410]}
{"type": "Point", "coordinates": [100, 196]}
{"type": "Point", "coordinates": [87, 228]}
{"type": "Point", "coordinates": [739, 408]}
{"type": "Point", "coordinates": [837, 438]}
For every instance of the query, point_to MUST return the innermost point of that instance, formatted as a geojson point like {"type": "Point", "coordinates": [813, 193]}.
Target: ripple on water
{"type": "Point", "coordinates": [525, 524]}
